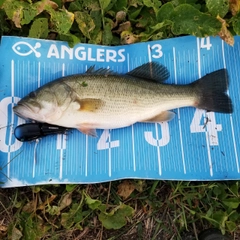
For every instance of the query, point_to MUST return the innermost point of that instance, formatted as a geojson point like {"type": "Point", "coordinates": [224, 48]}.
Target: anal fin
{"type": "Point", "coordinates": [162, 117]}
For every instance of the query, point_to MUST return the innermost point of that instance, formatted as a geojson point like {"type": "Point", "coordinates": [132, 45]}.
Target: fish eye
{"type": "Point", "coordinates": [32, 94]}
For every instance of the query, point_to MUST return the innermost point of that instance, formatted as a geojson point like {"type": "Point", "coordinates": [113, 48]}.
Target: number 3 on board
{"type": "Point", "coordinates": [156, 50]}
{"type": "Point", "coordinates": [211, 127]}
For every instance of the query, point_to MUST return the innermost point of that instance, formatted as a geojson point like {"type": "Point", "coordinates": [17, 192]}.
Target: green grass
{"type": "Point", "coordinates": [153, 210]}
{"type": "Point", "coordinates": [134, 209]}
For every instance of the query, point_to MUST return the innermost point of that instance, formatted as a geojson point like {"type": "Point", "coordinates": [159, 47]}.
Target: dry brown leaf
{"type": "Point", "coordinates": [125, 189]}
{"type": "Point", "coordinates": [29, 207]}
{"type": "Point", "coordinates": [65, 201]}
{"type": "Point", "coordinates": [126, 26]}
{"type": "Point", "coordinates": [16, 234]}
{"type": "Point", "coordinates": [17, 17]}
{"type": "Point", "coordinates": [48, 201]}
{"type": "Point", "coordinates": [234, 6]}
{"type": "Point", "coordinates": [42, 5]}
{"type": "Point", "coordinates": [225, 34]}
{"type": "Point", "coordinates": [3, 228]}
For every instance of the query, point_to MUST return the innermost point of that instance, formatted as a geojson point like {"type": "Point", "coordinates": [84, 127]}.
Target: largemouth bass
{"type": "Point", "coordinates": [102, 99]}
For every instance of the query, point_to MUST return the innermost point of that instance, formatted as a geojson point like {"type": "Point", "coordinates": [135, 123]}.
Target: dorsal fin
{"type": "Point", "coordinates": [151, 71]}
{"type": "Point", "coordinates": [100, 71]}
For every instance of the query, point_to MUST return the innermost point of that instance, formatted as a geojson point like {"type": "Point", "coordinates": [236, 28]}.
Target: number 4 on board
{"type": "Point", "coordinates": [205, 43]}
{"type": "Point", "coordinates": [211, 127]}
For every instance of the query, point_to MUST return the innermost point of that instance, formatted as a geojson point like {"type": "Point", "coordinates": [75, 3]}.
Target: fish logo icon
{"type": "Point", "coordinates": [25, 49]}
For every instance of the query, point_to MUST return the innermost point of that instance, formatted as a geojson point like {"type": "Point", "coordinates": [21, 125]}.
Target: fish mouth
{"type": "Point", "coordinates": [23, 111]}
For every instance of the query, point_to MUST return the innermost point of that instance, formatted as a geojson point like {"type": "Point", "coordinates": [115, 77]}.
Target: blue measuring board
{"type": "Point", "coordinates": [182, 149]}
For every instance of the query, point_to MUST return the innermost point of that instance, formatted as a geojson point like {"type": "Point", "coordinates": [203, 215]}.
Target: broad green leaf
{"type": "Point", "coordinates": [1, 2]}
{"type": "Point", "coordinates": [188, 20]}
{"type": "Point", "coordinates": [110, 6]}
{"type": "Point", "coordinates": [148, 20]}
{"type": "Point", "coordinates": [120, 5]}
{"type": "Point", "coordinates": [236, 23]}
{"type": "Point", "coordinates": [234, 216]}
{"type": "Point", "coordinates": [45, 5]}
{"type": "Point", "coordinates": [19, 12]}
{"type": "Point", "coordinates": [235, 188]}
{"type": "Point", "coordinates": [70, 187]}
{"type": "Point", "coordinates": [116, 219]}
{"type": "Point", "coordinates": [157, 36]}
{"type": "Point", "coordinates": [107, 33]}
{"type": "Point", "coordinates": [36, 189]}
{"type": "Point", "coordinates": [97, 18]}
{"type": "Point", "coordinates": [134, 12]}
{"type": "Point", "coordinates": [231, 226]}
{"type": "Point", "coordinates": [232, 202]}
{"type": "Point", "coordinates": [96, 37]}
{"type": "Point", "coordinates": [85, 23]}
{"type": "Point", "coordinates": [32, 226]}
{"type": "Point", "coordinates": [217, 190]}
{"type": "Point", "coordinates": [74, 216]}
{"type": "Point", "coordinates": [104, 3]}
{"type": "Point", "coordinates": [145, 36]}
{"type": "Point", "coordinates": [62, 20]}
{"type": "Point", "coordinates": [164, 12]}
{"type": "Point", "coordinates": [72, 41]}
{"type": "Point", "coordinates": [191, 2]}
{"type": "Point", "coordinates": [220, 217]}
{"type": "Point", "coordinates": [92, 203]}
{"type": "Point", "coordinates": [75, 6]}
{"type": "Point", "coordinates": [29, 14]}
{"type": "Point", "coordinates": [58, 2]}
{"type": "Point", "coordinates": [218, 7]}
{"type": "Point", "coordinates": [67, 220]}
{"type": "Point", "coordinates": [93, 5]}
{"type": "Point", "coordinates": [53, 210]}
{"type": "Point", "coordinates": [155, 4]}
{"type": "Point", "coordinates": [39, 28]}
{"type": "Point", "coordinates": [3, 25]}
{"type": "Point", "coordinates": [135, 3]}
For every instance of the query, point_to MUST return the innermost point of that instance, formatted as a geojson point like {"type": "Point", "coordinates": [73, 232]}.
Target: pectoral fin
{"type": "Point", "coordinates": [162, 117]}
{"type": "Point", "coordinates": [88, 131]}
{"type": "Point", "coordinates": [90, 104]}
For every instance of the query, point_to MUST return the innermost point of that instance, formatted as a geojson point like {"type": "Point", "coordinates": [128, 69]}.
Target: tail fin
{"type": "Point", "coordinates": [211, 90]}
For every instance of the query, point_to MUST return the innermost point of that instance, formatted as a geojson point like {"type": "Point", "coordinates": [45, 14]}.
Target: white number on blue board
{"type": "Point", "coordinates": [5, 142]}
{"type": "Point", "coordinates": [211, 126]}
{"type": "Point", "coordinates": [105, 142]}
{"type": "Point", "coordinates": [205, 43]}
{"type": "Point", "coordinates": [156, 141]}
{"type": "Point", "coordinates": [156, 50]}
